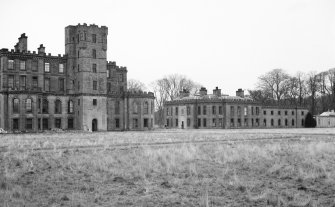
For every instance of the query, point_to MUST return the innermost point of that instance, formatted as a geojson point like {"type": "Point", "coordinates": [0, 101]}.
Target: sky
{"type": "Point", "coordinates": [221, 43]}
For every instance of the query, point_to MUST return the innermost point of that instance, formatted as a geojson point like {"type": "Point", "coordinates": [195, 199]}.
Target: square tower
{"type": "Point", "coordinates": [86, 48]}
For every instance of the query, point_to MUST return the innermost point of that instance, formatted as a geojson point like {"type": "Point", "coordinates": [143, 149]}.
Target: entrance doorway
{"type": "Point", "coordinates": [94, 125]}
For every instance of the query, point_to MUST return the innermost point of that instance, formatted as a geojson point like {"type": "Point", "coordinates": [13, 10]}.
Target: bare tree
{"type": "Point", "coordinates": [167, 89]}
{"type": "Point", "coordinates": [274, 82]}
{"type": "Point", "coordinates": [135, 85]}
{"type": "Point", "coordinates": [313, 85]}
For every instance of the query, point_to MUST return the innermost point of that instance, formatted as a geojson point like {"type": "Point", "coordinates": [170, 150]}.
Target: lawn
{"type": "Point", "coordinates": [259, 167]}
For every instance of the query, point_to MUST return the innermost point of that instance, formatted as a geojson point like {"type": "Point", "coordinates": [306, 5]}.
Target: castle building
{"type": "Point", "coordinates": [218, 111]}
{"type": "Point", "coordinates": [78, 90]}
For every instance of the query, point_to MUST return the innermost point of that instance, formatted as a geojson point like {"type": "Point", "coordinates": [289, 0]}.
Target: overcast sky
{"type": "Point", "coordinates": [214, 42]}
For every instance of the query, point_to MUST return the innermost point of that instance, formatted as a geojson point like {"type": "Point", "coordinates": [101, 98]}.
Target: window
{"type": "Point", "coordinates": [152, 107]}
{"type": "Point", "coordinates": [117, 107]}
{"type": "Point", "coordinates": [95, 84]}
{"type": "Point", "coordinates": [35, 82]}
{"type": "Point", "coordinates": [94, 68]}
{"type": "Point", "coordinates": [245, 122]}
{"type": "Point", "coordinates": [120, 77]}
{"type": "Point", "coordinates": [279, 112]}
{"type": "Point", "coordinates": [94, 54]}
{"type": "Point", "coordinates": [292, 122]}
{"type": "Point", "coordinates": [107, 73]}
{"type": "Point", "coordinates": [61, 84]}
{"type": "Point", "coordinates": [188, 122]}
{"type": "Point", "coordinates": [47, 67]}
{"type": "Point", "coordinates": [214, 110]}
{"type": "Point", "coordinates": [271, 112]}
{"type": "Point", "coordinates": [45, 106]}
{"type": "Point", "coordinates": [22, 82]}
{"type": "Point", "coordinates": [220, 110]}
{"type": "Point", "coordinates": [188, 110]}
{"type": "Point", "coordinates": [292, 112]}
{"type": "Point", "coordinates": [70, 107]}
{"type": "Point", "coordinates": [279, 122]}
{"type": "Point", "coordinates": [272, 122]}
{"type": "Point", "coordinates": [61, 68]}
{"type": "Point", "coordinates": [58, 107]}
{"type": "Point", "coordinates": [109, 87]}
{"type": "Point", "coordinates": [34, 65]}
{"type": "Point", "coordinates": [10, 64]}
{"type": "Point", "coordinates": [232, 122]}
{"type": "Point", "coordinates": [204, 121]}
{"type": "Point", "coordinates": [29, 123]}
{"type": "Point", "coordinates": [204, 110]}
{"type": "Point", "coordinates": [94, 102]}
{"type": "Point", "coordinates": [239, 124]}
{"type": "Point", "coordinates": [286, 113]}
{"type": "Point", "coordinates": [302, 122]}
{"type": "Point", "coordinates": [199, 122]}
{"type": "Point", "coordinates": [94, 38]}
{"type": "Point", "coordinates": [78, 67]}
{"type": "Point", "coordinates": [238, 111]}
{"type": "Point", "coordinates": [252, 122]}
{"type": "Point", "coordinates": [135, 123]}
{"type": "Point", "coordinates": [16, 105]}
{"type": "Point", "coordinates": [47, 84]}
{"type": "Point", "coordinates": [199, 110]}
{"type": "Point", "coordinates": [146, 108]}
{"type": "Point", "coordinates": [70, 123]}
{"type": "Point", "coordinates": [28, 105]}
{"type": "Point", "coordinates": [257, 122]}
{"type": "Point", "coordinates": [302, 113]}
{"type": "Point", "coordinates": [176, 111]}
{"type": "Point", "coordinates": [264, 112]}
{"type": "Point", "coordinates": [257, 111]}
{"type": "Point", "coordinates": [232, 111]}
{"type": "Point", "coordinates": [220, 122]}
{"type": "Point", "coordinates": [245, 111]}
{"type": "Point", "coordinates": [16, 124]}
{"type": "Point", "coordinates": [117, 123]}
{"type": "Point", "coordinates": [286, 122]}
{"type": "Point", "coordinates": [176, 122]}
{"type": "Point", "coordinates": [58, 123]}
{"type": "Point", "coordinates": [22, 65]}
{"type": "Point", "coordinates": [10, 81]}
{"type": "Point", "coordinates": [135, 108]}
{"type": "Point", "coordinates": [264, 122]}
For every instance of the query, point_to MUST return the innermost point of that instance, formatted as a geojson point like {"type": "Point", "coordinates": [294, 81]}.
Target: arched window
{"type": "Point", "coordinates": [16, 104]}
{"type": "Point", "coordinates": [45, 106]}
{"type": "Point", "coordinates": [135, 108]}
{"type": "Point", "coordinates": [70, 107]}
{"type": "Point", "coordinates": [272, 122]}
{"type": "Point", "coordinates": [279, 122]}
{"type": "Point", "coordinates": [286, 122]}
{"type": "Point", "coordinates": [146, 107]}
{"type": "Point", "coordinates": [264, 122]}
{"type": "Point", "coordinates": [58, 107]}
{"type": "Point", "coordinates": [28, 105]}
{"type": "Point", "coordinates": [292, 122]}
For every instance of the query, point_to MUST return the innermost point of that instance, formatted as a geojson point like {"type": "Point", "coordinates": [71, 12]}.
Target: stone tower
{"type": "Point", "coordinates": [86, 48]}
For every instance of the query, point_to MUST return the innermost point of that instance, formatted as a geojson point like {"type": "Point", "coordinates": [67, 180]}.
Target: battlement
{"type": "Point", "coordinates": [140, 94]}
{"type": "Point", "coordinates": [84, 25]}
{"type": "Point", "coordinates": [113, 65]}
{"type": "Point", "coordinates": [30, 53]}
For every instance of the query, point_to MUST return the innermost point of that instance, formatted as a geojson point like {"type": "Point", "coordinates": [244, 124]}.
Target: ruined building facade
{"type": "Point", "coordinates": [78, 90]}
{"type": "Point", "coordinates": [218, 111]}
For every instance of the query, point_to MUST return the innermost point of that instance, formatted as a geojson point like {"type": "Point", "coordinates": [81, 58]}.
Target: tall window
{"type": "Point", "coordinates": [61, 68]}
{"type": "Point", "coordinates": [204, 121]}
{"type": "Point", "coordinates": [94, 54]}
{"type": "Point", "coordinates": [16, 104]}
{"type": "Point", "coordinates": [135, 108]}
{"type": "Point", "coordinates": [95, 83]}
{"type": "Point", "coordinates": [213, 109]}
{"type": "Point", "coordinates": [94, 38]}
{"type": "Point", "coordinates": [152, 107]}
{"type": "Point", "coordinates": [10, 64]}
{"type": "Point", "coordinates": [22, 65]}
{"type": "Point", "coordinates": [220, 110]}
{"type": "Point", "coordinates": [188, 110]}
{"type": "Point", "coordinates": [58, 107]}
{"type": "Point", "coordinates": [29, 123]}
{"type": "Point", "coordinates": [45, 106]}
{"type": "Point", "coordinates": [204, 110]}
{"type": "Point", "coordinates": [279, 122]}
{"type": "Point", "coordinates": [272, 122]}
{"type": "Point", "coordinates": [35, 82]}
{"type": "Point", "coordinates": [292, 122]}
{"type": "Point", "coordinates": [176, 109]}
{"type": "Point", "coordinates": [34, 65]}
{"type": "Point", "coordinates": [245, 111]}
{"type": "Point", "coordinates": [238, 111]}
{"type": "Point", "coordinates": [47, 67]}
{"type": "Point", "coordinates": [199, 110]}
{"type": "Point", "coordinates": [61, 84]}
{"type": "Point", "coordinates": [117, 107]}
{"type": "Point", "coordinates": [257, 111]}
{"type": "Point", "coordinates": [95, 102]}
{"type": "Point", "coordinates": [58, 123]}
{"type": "Point", "coordinates": [109, 87]}
{"type": "Point", "coordinates": [22, 82]}
{"type": "Point", "coordinates": [47, 84]}
{"type": "Point", "coordinates": [70, 107]}
{"type": "Point", "coordinates": [146, 108]}
{"type": "Point", "coordinates": [10, 81]}
{"type": "Point", "coordinates": [117, 123]}
{"type": "Point", "coordinates": [232, 111]}
{"type": "Point", "coordinates": [107, 73]}
{"type": "Point", "coordinates": [28, 105]}
{"type": "Point", "coordinates": [70, 123]}
{"type": "Point", "coordinates": [94, 68]}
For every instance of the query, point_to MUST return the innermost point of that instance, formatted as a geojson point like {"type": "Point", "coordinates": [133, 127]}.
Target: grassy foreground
{"type": "Point", "coordinates": [253, 173]}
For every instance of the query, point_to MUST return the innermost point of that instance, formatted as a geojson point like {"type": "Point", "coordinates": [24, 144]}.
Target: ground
{"type": "Point", "coordinates": [256, 167]}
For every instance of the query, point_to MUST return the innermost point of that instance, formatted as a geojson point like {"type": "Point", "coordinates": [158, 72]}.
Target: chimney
{"type": "Point", "coordinates": [16, 47]}
{"type": "Point", "coordinates": [240, 93]}
{"type": "Point", "coordinates": [23, 43]}
{"type": "Point", "coordinates": [41, 49]}
{"type": "Point", "coordinates": [203, 91]}
{"type": "Point", "coordinates": [184, 93]}
{"type": "Point", "coordinates": [217, 92]}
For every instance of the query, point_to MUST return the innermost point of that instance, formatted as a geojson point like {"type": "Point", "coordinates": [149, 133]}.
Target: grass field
{"type": "Point", "coordinates": [272, 167]}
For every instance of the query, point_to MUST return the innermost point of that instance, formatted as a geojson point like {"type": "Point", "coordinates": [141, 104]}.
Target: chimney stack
{"type": "Point", "coordinates": [203, 91]}
{"type": "Point", "coordinates": [217, 92]}
{"type": "Point", "coordinates": [184, 93]}
{"type": "Point", "coordinates": [41, 49]}
{"type": "Point", "coordinates": [23, 43]}
{"type": "Point", "coordinates": [240, 93]}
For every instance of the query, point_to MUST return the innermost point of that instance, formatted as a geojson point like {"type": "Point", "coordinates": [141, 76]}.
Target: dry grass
{"type": "Point", "coordinates": [253, 173]}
